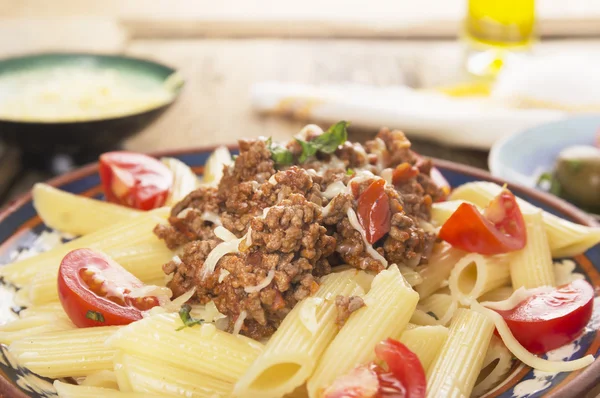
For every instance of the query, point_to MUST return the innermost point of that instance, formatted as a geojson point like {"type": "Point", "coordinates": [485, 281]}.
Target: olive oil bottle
{"type": "Point", "coordinates": [495, 30]}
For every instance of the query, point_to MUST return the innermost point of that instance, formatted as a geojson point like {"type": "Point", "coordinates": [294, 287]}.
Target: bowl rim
{"type": "Point", "coordinates": [580, 385]}
{"type": "Point", "coordinates": [494, 162]}
{"type": "Point", "coordinates": [77, 54]}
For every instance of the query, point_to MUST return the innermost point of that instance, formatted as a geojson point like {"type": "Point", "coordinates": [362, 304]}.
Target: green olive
{"type": "Point", "coordinates": [578, 173]}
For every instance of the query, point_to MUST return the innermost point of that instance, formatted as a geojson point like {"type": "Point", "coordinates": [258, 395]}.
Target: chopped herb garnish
{"type": "Point", "coordinates": [349, 172]}
{"type": "Point", "coordinates": [549, 182]}
{"type": "Point", "coordinates": [280, 155]}
{"type": "Point", "coordinates": [94, 316]}
{"type": "Point", "coordinates": [327, 142]}
{"type": "Point", "coordinates": [186, 318]}
{"type": "Point", "coordinates": [432, 314]}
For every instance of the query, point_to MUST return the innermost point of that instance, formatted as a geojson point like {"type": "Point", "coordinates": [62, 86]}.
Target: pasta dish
{"type": "Point", "coordinates": [314, 268]}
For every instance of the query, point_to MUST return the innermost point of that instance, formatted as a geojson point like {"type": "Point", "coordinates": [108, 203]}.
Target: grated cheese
{"type": "Point", "coordinates": [369, 248]}
{"type": "Point", "coordinates": [224, 234]}
{"type": "Point", "coordinates": [176, 259]}
{"type": "Point", "coordinates": [223, 274]}
{"type": "Point", "coordinates": [516, 298]}
{"type": "Point", "coordinates": [264, 283]}
{"type": "Point", "coordinates": [212, 217]}
{"type": "Point", "coordinates": [334, 189]}
{"type": "Point", "coordinates": [219, 251]}
{"type": "Point", "coordinates": [308, 313]}
{"type": "Point", "coordinates": [525, 356]}
{"type": "Point", "coordinates": [239, 322]}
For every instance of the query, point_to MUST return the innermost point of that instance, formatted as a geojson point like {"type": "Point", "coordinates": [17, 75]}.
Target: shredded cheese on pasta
{"type": "Point", "coordinates": [525, 356]}
{"type": "Point", "coordinates": [369, 248]}
{"type": "Point", "coordinates": [239, 322]}
{"type": "Point", "coordinates": [308, 313]}
{"type": "Point", "coordinates": [264, 283]}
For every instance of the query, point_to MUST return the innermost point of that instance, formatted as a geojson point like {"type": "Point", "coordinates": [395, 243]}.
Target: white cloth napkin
{"type": "Point", "coordinates": [523, 97]}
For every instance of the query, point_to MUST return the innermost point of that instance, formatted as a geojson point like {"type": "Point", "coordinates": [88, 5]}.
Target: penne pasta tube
{"type": "Point", "coordinates": [103, 378]}
{"type": "Point", "coordinates": [455, 369]}
{"type": "Point", "coordinates": [131, 243]}
{"type": "Point", "coordinates": [421, 318]}
{"type": "Point", "coordinates": [475, 275]}
{"type": "Point", "coordinates": [66, 390]}
{"type": "Point", "coordinates": [33, 325]}
{"type": "Point", "coordinates": [153, 377]}
{"type": "Point", "coordinates": [67, 353]}
{"type": "Point", "coordinates": [389, 306]}
{"type": "Point", "coordinates": [496, 364]}
{"type": "Point", "coordinates": [565, 238]}
{"type": "Point", "coordinates": [532, 266]}
{"type": "Point", "coordinates": [425, 342]}
{"type": "Point", "coordinates": [500, 294]}
{"type": "Point", "coordinates": [440, 306]}
{"type": "Point", "coordinates": [76, 214]}
{"type": "Point", "coordinates": [184, 180]}
{"type": "Point", "coordinates": [292, 353]}
{"type": "Point", "coordinates": [443, 259]}
{"type": "Point", "coordinates": [441, 211]}
{"type": "Point", "coordinates": [412, 277]}
{"type": "Point", "coordinates": [215, 353]}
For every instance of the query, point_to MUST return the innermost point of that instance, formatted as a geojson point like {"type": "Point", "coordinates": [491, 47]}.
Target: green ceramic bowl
{"type": "Point", "coordinates": [94, 133]}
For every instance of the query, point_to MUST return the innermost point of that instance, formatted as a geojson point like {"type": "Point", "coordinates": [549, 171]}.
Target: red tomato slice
{"type": "Point", "coordinates": [134, 180]}
{"type": "Point", "coordinates": [405, 377]}
{"type": "Point", "coordinates": [501, 229]}
{"type": "Point", "coordinates": [95, 291]}
{"type": "Point", "coordinates": [374, 211]}
{"type": "Point", "coordinates": [547, 321]}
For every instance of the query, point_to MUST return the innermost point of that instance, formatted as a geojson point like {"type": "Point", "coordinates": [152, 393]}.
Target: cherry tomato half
{"type": "Point", "coordinates": [546, 321]}
{"type": "Point", "coordinates": [405, 377]}
{"type": "Point", "coordinates": [501, 229]}
{"type": "Point", "coordinates": [134, 180]}
{"type": "Point", "coordinates": [374, 211]}
{"type": "Point", "coordinates": [95, 291]}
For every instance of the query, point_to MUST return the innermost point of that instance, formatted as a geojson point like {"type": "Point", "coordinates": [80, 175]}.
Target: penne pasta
{"type": "Point", "coordinates": [496, 364]}
{"type": "Point", "coordinates": [75, 214]}
{"type": "Point", "coordinates": [412, 277]}
{"type": "Point", "coordinates": [475, 275]}
{"type": "Point", "coordinates": [184, 180]}
{"type": "Point", "coordinates": [565, 238]}
{"type": "Point", "coordinates": [292, 353]}
{"type": "Point", "coordinates": [443, 259]}
{"type": "Point", "coordinates": [215, 353]}
{"type": "Point", "coordinates": [66, 353]}
{"type": "Point", "coordinates": [439, 306]}
{"type": "Point", "coordinates": [500, 294]}
{"type": "Point", "coordinates": [155, 377]}
{"type": "Point", "coordinates": [34, 325]}
{"type": "Point", "coordinates": [66, 390]}
{"type": "Point", "coordinates": [103, 378]}
{"type": "Point", "coordinates": [532, 266]}
{"type": "Point", "coordinates": [454, 371]}
{"type": "Point", "coordinates": [441, 211]}
{"type": "Point", "coordinates": [425, 342]}
{"type": "Point", "coordinates": [131, 243]}
{"type": "Point", "coordinates": [421, 318]}
{"type": "Point", "coordinates": [389, 306]}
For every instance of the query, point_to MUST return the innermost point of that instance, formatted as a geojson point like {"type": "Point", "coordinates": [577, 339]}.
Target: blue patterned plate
{"type": "Point", "coordinates": [20, 226]}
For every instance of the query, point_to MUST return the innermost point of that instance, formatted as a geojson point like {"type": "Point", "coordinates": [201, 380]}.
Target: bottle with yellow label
{"type": "Point", "coordinates": [494, 31]}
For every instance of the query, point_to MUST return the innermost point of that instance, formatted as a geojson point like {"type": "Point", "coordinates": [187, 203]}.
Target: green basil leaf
{"type": "Point", "coordinates": [281, 156]}
{"type": "Point", "coordinates": [335, 136]}
{"type": "Point", "coordinates": [308, 149]}
{"type": "Point", "coordinates": [186, 318]}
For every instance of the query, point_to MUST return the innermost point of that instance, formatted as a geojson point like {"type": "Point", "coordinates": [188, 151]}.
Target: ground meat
{"type": "Point", "coordinates": [290, 233]}
{"type": "Point", "coordinates": [187, 223]}
{"type": "Point", "coordinates": [346, 306]}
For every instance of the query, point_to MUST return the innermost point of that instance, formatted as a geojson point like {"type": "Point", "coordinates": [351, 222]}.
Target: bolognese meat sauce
{"type": "Point", "coordinates": [290, 222]}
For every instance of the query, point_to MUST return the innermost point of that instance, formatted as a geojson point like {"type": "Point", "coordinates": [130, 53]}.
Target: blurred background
{"type": "Point", "coordinates": [458, 76]}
